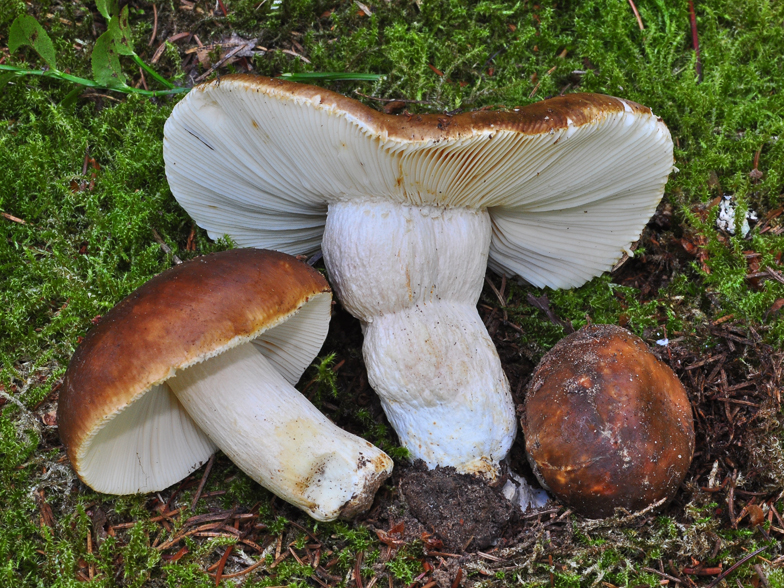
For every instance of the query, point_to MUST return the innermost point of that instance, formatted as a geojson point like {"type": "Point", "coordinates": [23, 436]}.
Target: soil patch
{"type": "Point", "coordinates": [461, 510]}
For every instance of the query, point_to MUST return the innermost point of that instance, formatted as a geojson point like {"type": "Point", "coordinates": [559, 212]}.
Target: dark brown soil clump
{"type": "Point", "coordinates": [461, 510]}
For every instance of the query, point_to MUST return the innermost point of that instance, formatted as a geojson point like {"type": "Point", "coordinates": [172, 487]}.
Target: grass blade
{"type": "Point", "coordinates": [330, 77]}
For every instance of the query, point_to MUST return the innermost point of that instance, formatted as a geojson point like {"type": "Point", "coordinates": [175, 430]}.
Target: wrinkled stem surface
{"type": "Point", "coordinates": [413, 276]}
{"type": "Point", "coordinates": [273, 434]}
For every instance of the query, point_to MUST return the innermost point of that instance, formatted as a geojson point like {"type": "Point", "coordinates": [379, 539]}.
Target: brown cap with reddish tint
{"type": "Point", "coordinates": [179, 318]}
{"type": "Point", "coordinates": [541, 117]}
{"type": "Point", "coordinates": [606, 423]}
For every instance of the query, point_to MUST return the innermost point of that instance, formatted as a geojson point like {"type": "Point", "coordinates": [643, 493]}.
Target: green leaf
{"type": "Point", "coordinates": [106, 62]}
{"type": "Point", "coordinates": [107, 8]}
{"type": "Point", "coordinates": [5, 78]}
{"type": "Point", "coordinates": [25, 30]}
{"type": "Point", "coordinates": [121, 33]}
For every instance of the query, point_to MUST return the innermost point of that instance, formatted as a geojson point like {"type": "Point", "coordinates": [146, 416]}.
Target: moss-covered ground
{"type": "Point", "coordinates": [87, 217]}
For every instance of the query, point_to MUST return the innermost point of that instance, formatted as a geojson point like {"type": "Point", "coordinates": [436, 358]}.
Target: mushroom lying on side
{"type": "Point", "coordinates": [409, 211]}
{"type": "Point", "coordinates": [204, 355]}
{"type": "Point", "coordinates": [606, 423]}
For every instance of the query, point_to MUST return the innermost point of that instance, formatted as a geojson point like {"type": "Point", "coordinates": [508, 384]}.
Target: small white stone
{"type": "Point", "coordinates": [520, 492]}
{"type": "Point", "coordinates": [726, 219]}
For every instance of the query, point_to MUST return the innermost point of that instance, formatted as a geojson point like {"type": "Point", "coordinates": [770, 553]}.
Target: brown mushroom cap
{"type": "Point", "coordinates": [181, 317]}
{"type": "Point", "coordinates": [540, 117]}
{"type": "Point", "coordinates": [606, 423]}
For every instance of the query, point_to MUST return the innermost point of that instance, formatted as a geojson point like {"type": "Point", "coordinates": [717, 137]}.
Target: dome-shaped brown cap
{"type": "Point", "coordinates": [113, 398]}
{"type": "Point", "coordinates": [606, 423]}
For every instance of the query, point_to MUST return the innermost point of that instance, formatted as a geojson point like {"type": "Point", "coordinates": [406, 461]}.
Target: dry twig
{"type": "Point", "coordinates": [695, 39]}
{"type": "Point", "coordinates": [12, 218]}
{"type": "Point", "coordinates": [663, 575]}
{"type": "Point", "coordinates": [636, 14]}
{"type": "Point", "coordinates": [246, 47]}
{"type": "Point", "coordinates": [734, 567]}
{"type": "Point", "coordinates": [166, 249]}
{"type": "Point", "coordinates": [203, 482]}
{"type": "Point", "coordinates": [154, 25]}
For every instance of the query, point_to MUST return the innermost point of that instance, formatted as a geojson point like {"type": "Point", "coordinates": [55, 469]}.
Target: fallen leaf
{"type": "Point", "coordinates": [49, 418]}
{"type": "Point", "coordinates": [47, 518]}
{"type": "Point", "coordinates": [363, 8]}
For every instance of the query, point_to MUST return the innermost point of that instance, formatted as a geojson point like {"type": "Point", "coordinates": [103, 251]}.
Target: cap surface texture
{"type": "Point", "coordinates": [606, 423]}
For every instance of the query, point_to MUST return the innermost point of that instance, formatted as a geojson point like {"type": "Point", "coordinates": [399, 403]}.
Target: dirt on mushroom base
{"type": "Point", "coordinates": [461, 510]}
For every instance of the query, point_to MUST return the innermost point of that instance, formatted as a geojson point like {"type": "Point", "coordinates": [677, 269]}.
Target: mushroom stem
{"type": "Point", "coordinates": [273, 434]}
{"type": "Point", "coordinates": [413, 276]}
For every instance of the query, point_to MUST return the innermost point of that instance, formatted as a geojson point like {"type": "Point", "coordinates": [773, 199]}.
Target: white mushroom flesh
{"type": "Point", "coordinates": [241, 400]}
{"type": "Point", "coordinates": [273, 434]}
{"type": "Point", "coordinates": [413, 276]}
{"type": "Point", "coordinates": [154, 421]}
{"type": "Point", "coordinates": [558, 207]}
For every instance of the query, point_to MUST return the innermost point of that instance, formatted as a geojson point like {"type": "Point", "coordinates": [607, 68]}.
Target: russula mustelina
{"type": "Point", "coordinates": [206, 355]}
{"type": "Point", "coordinates": [410, 211]}
{"type": "Point", "coordinates": [606, 423]}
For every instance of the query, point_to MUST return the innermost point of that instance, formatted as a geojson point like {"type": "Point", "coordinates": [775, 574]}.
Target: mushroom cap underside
{"type": "Point", "coordinates": [569, 182]}
{"type": "Point", "coordinates": [181, 317]}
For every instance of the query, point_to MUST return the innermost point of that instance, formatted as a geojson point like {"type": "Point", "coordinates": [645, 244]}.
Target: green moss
{"type": "Point", "coordinates": [324, 378]}
{"type": "Point", "coordinates": [404, 567]}
{"type": "Point", "coordinates": [185, 574]}
{"type": "Point", "coordinates": [87, 239]}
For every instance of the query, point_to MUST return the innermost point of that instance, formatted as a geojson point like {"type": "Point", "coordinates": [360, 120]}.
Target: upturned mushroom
{"type": "Point", "coordinates": [205, 355]}
{"type": "Point", "coordinates": [606, 423]}
{"type": "Point", "coordinates": [409, 212]}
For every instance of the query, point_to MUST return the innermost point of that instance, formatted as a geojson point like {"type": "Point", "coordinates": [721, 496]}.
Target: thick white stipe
{"type": "Point", "coordinates": [273, 434]}
{"type": "Point", "coordinates": [413, 276]}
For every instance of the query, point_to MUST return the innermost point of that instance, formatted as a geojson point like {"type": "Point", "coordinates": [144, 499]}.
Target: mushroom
{"type": "Point", "coordinates": [409, 211]}
{"type": "Point", "coordinates": [205, 355]}
{"type": "Point", "coordinates": [606, 423]}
